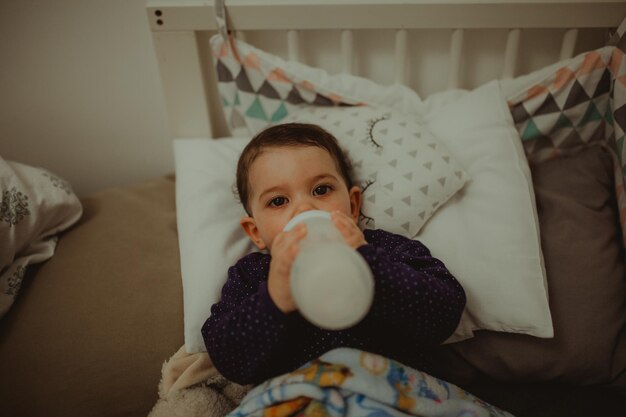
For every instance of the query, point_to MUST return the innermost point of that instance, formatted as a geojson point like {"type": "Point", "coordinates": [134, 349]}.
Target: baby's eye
{"type": "Point", "coordinates": [277, 201]}
{"type": "Point", "coordinates": [322, 189]}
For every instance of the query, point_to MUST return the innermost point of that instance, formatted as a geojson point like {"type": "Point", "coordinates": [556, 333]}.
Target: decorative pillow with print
{"type": "Point", "coordinates": [572, 104]}
{"type": "Point", "coordinates": [35, 206]}
{"type": "Point", "coordinates": [406, 173]}
{"type": "Point", "coordinates": [258, 89]}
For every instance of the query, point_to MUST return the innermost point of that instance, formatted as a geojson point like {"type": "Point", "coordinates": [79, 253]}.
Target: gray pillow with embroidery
{"type": "Point", "coordinates": [35, 206]}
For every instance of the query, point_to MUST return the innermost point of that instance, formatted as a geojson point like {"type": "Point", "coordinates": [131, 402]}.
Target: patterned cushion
{"type": "Point", "coordinates": [405, 172]}
{"type": "Point", "coordinates": [573, 104]}
{"type": "Point", "coordinates": [258, 88]}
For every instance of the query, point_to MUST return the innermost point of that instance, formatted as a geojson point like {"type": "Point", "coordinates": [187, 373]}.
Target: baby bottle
{"type": "Point", "coordinates": [331, 284]}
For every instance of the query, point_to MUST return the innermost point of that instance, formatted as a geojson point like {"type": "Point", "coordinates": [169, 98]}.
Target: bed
{"type": "Point", "coordinates": [524, 97]}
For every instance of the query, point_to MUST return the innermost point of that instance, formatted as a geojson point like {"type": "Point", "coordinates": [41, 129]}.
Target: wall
{"type": "Point", "coordinates": [80, 93]}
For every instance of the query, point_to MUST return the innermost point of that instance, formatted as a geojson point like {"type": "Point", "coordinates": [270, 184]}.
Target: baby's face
{"type": "Point", "coordinates": [285, 181]}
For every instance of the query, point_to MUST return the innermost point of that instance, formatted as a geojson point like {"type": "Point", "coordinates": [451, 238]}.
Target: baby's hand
{"type": "Point", "coordinates": [349, 229]}
{"type": "Point", "coordinates": [284, 251]}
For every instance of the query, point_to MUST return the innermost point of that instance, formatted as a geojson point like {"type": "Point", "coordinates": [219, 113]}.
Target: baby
{"type": "Point", "coordinates": [255, 331]}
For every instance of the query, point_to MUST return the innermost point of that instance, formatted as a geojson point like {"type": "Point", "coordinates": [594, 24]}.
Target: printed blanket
{"type": "Point", "coordinates": [353, 383]}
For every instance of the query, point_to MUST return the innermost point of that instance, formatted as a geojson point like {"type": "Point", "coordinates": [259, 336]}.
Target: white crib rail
{"type": "Point", "coordinates": [568, 44]}
{"type": "Point", "coordinates": [347, 51]}
{"type": "Point", "coordinates": [456, 51]}
{"type": "Point", "coordinates": [511, 53]}
{"type": "Point", "coordinates": [401, 56]}
{"type": "Point", "coordinates": [293, 45]}
{"type": "Point", "coordinates": [385, 14]}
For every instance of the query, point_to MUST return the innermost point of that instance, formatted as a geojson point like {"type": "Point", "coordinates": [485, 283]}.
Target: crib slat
{"type": "Point", "coordinates": [347, 48]}
{"type": "Point", "coordinates": [293, 45]}
{"type": "Point", "coordinates": [456, 49]}
{"type": "Point", "coordinates": [511, 53]}
{"type": "Point", "coordinates": [569, 44]}
{"type": "Point", "coordinates": [401, 56]}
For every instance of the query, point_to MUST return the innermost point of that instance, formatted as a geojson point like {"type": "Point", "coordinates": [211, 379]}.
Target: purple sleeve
{"type": "Point", "coordinates": [416, 297]}
{"type": "Point", "coordinates": [246, 332]}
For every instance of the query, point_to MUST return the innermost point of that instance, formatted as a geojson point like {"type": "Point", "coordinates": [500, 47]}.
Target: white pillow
{"type": "Point", "coordinates": [488, 238]}
{"type": "Point", "coordinates": [405, 172]}
{"type": "Point", "coordinates": [209, 235]}
{"type": "Point", "coordinates": [488, 234]}
{"type": "Point", "coordinates": [35, 206]}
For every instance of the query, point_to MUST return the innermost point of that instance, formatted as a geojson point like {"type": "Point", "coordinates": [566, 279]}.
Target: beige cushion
{"type": "Point", "coordinates": [89, 332]}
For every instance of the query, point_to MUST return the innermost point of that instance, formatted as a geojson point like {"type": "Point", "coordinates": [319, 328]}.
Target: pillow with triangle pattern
{"type": "Point", "coordinates": [405, 172]}
{"type": "Point", "coordinates": [257, 88]}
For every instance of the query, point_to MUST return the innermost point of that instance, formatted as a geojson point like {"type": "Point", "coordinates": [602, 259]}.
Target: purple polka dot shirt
{"type": "Point", "coordinates": [417, 305]}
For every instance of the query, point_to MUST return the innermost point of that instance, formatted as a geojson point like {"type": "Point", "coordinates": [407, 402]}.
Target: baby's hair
{"type": "Point", "coordinates": [288, 135]}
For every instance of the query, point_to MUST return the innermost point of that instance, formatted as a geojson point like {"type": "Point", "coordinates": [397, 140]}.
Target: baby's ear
{"type": "Point", "coordinates": [356, 196]}
{"type": "Point", "coordinates": [249, 226]}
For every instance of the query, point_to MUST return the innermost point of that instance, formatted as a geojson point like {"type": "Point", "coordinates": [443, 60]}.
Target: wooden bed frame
{"type": "Point", "coordinates": [460, 43]}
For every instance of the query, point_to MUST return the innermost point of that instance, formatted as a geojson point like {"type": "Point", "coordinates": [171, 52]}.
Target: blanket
{"type": "Point", "coordinates": [343, 382]}
{"type": "Point", "coordinates": [353, 383]}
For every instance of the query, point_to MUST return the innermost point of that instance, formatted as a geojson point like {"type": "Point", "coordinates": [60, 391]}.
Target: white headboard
{"type": "Point", "coordinates": [429, 45]}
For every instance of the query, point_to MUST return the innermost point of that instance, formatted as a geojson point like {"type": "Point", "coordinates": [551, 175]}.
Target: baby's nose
{"type": "Point", "coordinates": [304, 206]}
